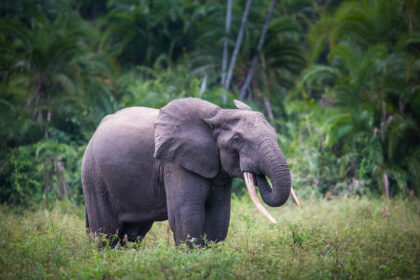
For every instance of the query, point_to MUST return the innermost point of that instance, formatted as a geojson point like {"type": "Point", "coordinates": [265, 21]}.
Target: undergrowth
{"type": "Point", "coordinates": [337, 239]}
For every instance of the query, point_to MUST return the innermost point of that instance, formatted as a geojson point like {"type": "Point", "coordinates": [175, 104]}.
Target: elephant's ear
{"type": "Point", "coordinates": [182, 136]}
{"type": "Point", "coordinates": [242, 106]}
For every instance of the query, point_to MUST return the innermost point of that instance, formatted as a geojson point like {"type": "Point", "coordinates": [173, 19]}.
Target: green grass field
{"type": "Point", "coordinates": [344, 239]}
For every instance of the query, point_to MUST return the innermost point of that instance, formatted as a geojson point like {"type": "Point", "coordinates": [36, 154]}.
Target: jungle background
{"type": "Point", "coordinates": [339, 81]}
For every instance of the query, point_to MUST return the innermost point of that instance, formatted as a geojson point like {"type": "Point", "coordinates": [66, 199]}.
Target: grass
{"type": "Point", "coordinates": [337, 239]}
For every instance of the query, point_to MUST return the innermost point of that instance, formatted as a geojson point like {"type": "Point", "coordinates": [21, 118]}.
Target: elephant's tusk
{"type": "Point", "coordinates": [249, 181]}
{"type": "Point", "coordinates": [294, 197]}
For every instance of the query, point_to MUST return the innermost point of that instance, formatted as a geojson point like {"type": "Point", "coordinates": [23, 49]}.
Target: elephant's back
{"type": "Point", "coordinates": [125, 136]}
{"type": "Point", "coordinates": [140, 117]}
{"type": "Point", "coordinates": [133, 123]}
{"type": "Point", "coordinates": [124, 133]}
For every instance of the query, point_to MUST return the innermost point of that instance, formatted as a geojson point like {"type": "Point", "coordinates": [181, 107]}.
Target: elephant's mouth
{"type": "Point", "coordinates": [250, 185]}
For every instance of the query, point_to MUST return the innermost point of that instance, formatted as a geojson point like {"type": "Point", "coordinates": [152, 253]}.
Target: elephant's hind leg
{"type": "Point", "coordinates": [101, 218]}
{"type": "Point", "coordinates": [135, 231]}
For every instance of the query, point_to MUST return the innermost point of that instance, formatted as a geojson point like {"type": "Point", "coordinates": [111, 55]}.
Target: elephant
{"type": "Point", "coordinates": [144, 165]}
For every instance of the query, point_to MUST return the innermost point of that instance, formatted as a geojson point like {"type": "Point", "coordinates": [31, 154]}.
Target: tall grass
{"type": "Point", "coordinates": [343, 238]}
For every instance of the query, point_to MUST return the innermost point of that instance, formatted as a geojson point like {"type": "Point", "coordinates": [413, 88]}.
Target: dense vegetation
{"type": "Point", "coordinates": [338, 80]}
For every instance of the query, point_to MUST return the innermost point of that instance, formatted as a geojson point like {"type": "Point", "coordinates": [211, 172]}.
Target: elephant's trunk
{"type": "Point", "coordinates": [276, 169]}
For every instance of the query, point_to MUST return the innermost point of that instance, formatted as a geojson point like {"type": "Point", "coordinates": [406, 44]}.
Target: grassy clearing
{"type": "Point", "coordinates": [346, 238]}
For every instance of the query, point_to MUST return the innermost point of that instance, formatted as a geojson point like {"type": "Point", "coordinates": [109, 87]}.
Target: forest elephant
{"type": "Point", "coordinates": [144, 165]}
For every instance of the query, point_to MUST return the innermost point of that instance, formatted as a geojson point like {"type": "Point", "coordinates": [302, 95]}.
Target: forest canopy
{"type": "Point", "coordinates": [339, 81]}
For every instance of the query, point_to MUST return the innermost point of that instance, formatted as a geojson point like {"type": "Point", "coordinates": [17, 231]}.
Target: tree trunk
{"type": "Point", "coordinates": [63, 187]}
{"type": "Point", "coordinates": [267, 105]}
{"type": "Point", "coordinates": [238, 44]}
{"type": "Point", "coordinates": [385, 182]}
{"type": "Point", "coordinates": [46, 132]}
{"type": "Point", "coordinates": [245, 86]}
{"type": "Point", "coordinates": [259, 49]}
{"type": "Point", "coordinates": [203, 86]}
{"type": "Point", "coordinates": [225, 44]}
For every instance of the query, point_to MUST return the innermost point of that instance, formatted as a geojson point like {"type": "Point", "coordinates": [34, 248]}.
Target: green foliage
{"type": "Point", "coordinates": [368, 128]}
{"type": "Point", "coordinates": [60, 166]}
{"type": "Point", "coordinates": [337, 79]}
{"type": "Point", "coordinates": [147, 32]}
{"type": "Point", "coordinates": [156, 87]}
{"type": "Point", "coordinates": [339, 239]}
{"type": "Point", "coordinates": [41, 173]}
{"type": "Point", "coordinates": [20, 181]}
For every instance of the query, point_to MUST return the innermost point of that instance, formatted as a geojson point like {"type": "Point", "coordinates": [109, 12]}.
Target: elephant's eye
{"type": "Point", "coordinates": [236, 139]}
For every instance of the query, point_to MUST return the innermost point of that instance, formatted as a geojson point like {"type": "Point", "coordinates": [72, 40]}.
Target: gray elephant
{"type": "Point", "coordinates": [144, 165]}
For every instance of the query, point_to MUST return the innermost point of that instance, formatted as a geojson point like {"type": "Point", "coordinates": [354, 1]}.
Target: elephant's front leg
{"type": "Point", "coordinates": [186, 195]}
{"type": "Point", "coordinates": [218, 211]}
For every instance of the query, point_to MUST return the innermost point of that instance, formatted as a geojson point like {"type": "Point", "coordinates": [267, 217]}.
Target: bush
{"type": "Point", "coordinates": [41, 172]}
{"type": "Point", "coordinates": [21, 183]}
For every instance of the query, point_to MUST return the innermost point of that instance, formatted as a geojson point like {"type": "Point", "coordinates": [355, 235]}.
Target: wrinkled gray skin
{"type": "Point", "coordinates": [144, 165]}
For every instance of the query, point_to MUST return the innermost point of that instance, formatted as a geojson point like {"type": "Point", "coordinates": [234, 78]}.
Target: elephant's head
{"type": "Point", "coordinates": [206, 139]}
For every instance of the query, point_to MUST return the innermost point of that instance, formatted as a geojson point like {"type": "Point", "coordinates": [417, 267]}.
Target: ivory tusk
{"type": "Point", "coordinates": [249, 181]}
{"type": "Point", "coordinates": [294, 197]}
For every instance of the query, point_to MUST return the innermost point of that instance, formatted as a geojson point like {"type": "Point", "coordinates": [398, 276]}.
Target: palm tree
{"type": "Point", "coordinates": [237, 44]}
{"type": "Point", "coordinates": [281, 56]}
{"type": "Point", "coordinates": [49, 62]}
{"type": "Point", "coordinates": [150, 32]}
{"type": "Point", "coordinates": [60, 90]}
{"type": "Point", "coordinates": [226, 41]}
{"type": "Point", "coordinates": [250, 74]}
